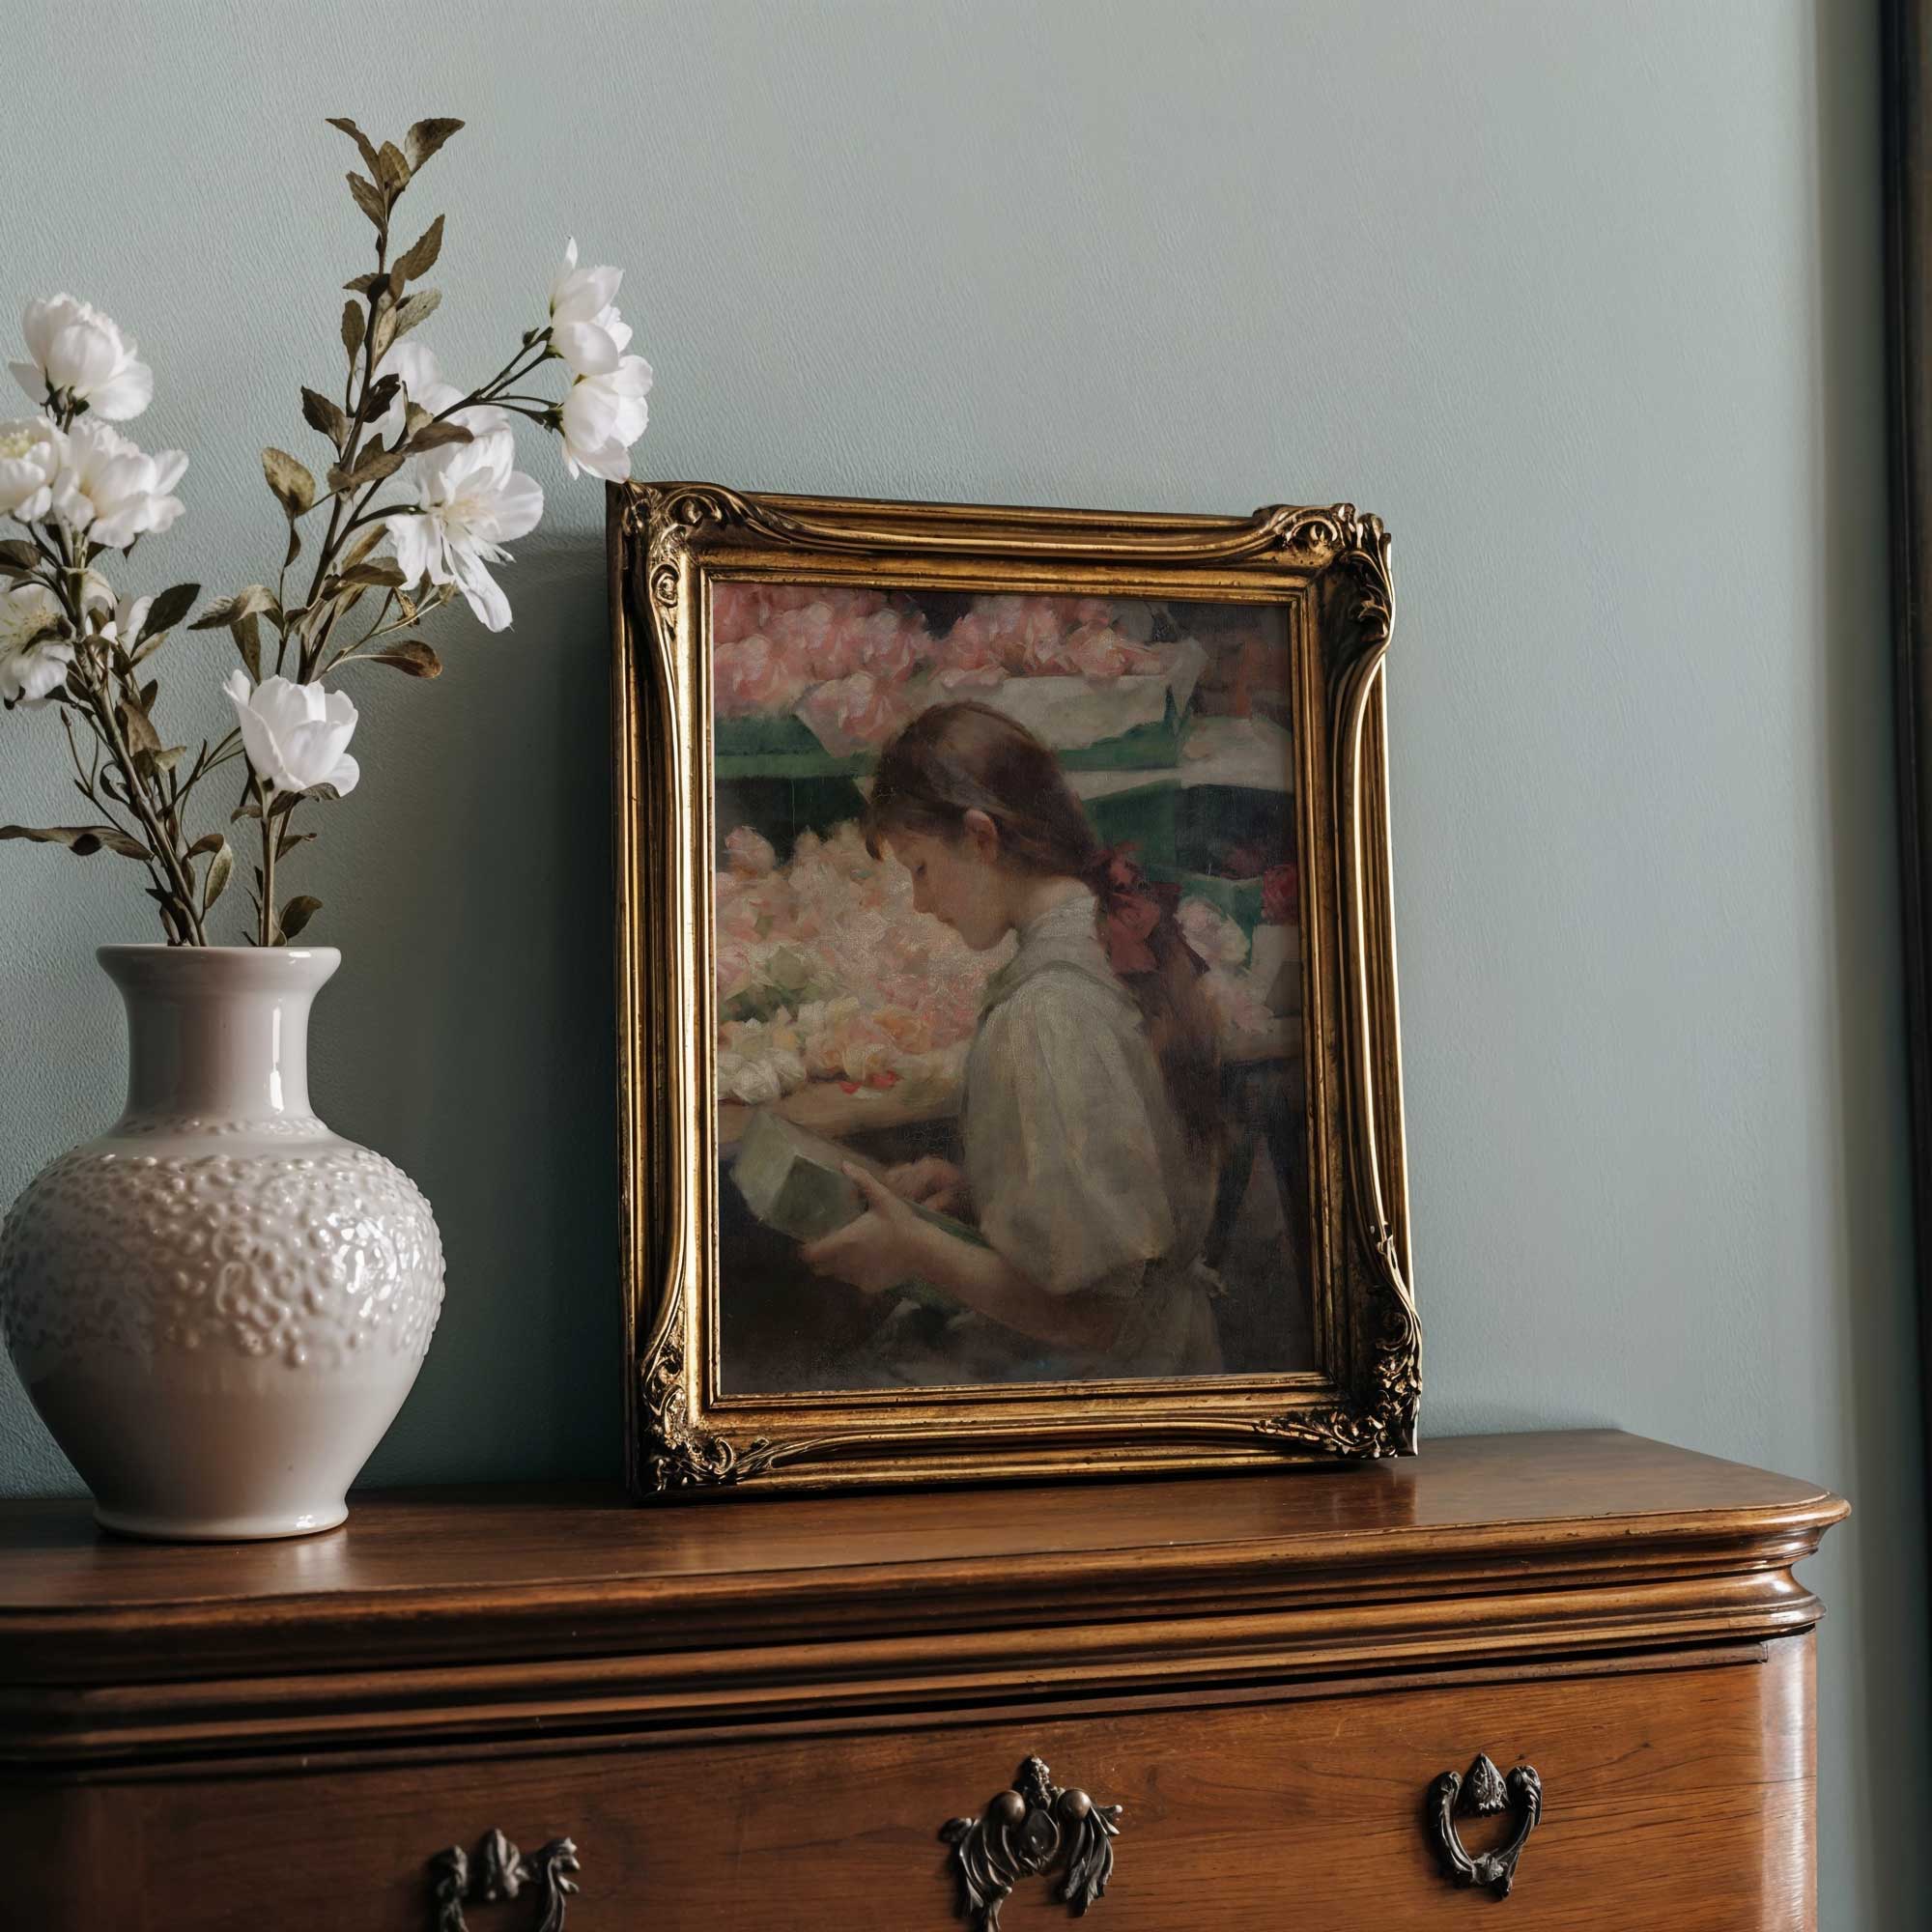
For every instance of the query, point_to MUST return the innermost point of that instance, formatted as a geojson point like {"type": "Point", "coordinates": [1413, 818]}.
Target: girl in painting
{"type": "Point", "coordinates": [1092, 1113]}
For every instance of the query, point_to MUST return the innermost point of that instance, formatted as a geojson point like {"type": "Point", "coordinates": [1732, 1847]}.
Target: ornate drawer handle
{"type": "Point", "coordinates": [1025, 1829]}
{"type": "Point", "coordinates": [1481, 1795]}
{"type": "Point", "coordinates": [500, 1871]}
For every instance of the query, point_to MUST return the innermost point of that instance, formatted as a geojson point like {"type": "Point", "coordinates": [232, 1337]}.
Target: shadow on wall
{"type": "Point", "coordinates": [471, 1031]}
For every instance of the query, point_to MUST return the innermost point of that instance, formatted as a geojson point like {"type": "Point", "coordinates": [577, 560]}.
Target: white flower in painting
{"type": "Point", "coordinates": [113, 490]}
{"type": "Point", "coordinates": [423, 384]}
{"type": "Point", "coordinates": [30, 459]}
{"type": "Point", "coordinates": [472, 502]}
{"type": "Point", "coordinates": [584, 327]}
{"type": "Point", "coordinates": [603, 417]}
{"type": "Point", "coordinates": [296, 735]}
{"type": "Point", "coordinates": [81, 353]}
{"type": "Point", "coordinates": [30, 673]}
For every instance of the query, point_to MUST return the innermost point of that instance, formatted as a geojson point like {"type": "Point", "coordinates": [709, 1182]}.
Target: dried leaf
{"type": "Point", "coordinates": [167, 760]}
{"type": "Point", "coordinates": [320, 413]}
{"type": "Point", "coordinates": [364, 143]}
{"type": "Point", "coordinates": [432, 436]}
{"type": "Point", "coordinates": [209, 841]}
{"type": "Point", "coordinates": [137, 727]}
{"type": "Point", "coordinates": [219, 870]}
{"type": "Point", "coordinates": [426, 137]}
{"type": "Point", "coordinates": [382, 393]}
{"type": "Point", "coordinates": [150, 693]}
{"type": "Point", "coordinates": [20, 555]}
{"type": "Point", "coordinates": [169, 608]}
{"type": "Point", "coordinates": [290, 480]}
{"type": "Point", "coordinates": [298, 913]}
{"type": "Point", "coordinates": [379, 573]}
{"type": "Point", "coordinates": [391, 169]}
{"type": "Point", "coordinates": [352, 328]}
{"type": "Point", "coordinates": [248, 810]}
{"type": "Point", "coordinates": [377, 464]}
{"type": "Point", "coordinates": [288, 840]}
{"type": "Point", "coordinates": [369, 199]}
{"type": "Point", "coordinates": [361, 547]}
{"type": "Point", "coordinates": [246, 631]}
{"type": "Point", "coordinates": [415, 308]}
{"type": "Point", "coordinates": [419, 258]}
{"type": "Point", "coordinates": [80, 840]}
{"type": "Point", "coordinates": [408, 655]}
{"type": "Point", "coordinates": [256, 599]}
{"type": "Point", "coordinates": [382, 330]}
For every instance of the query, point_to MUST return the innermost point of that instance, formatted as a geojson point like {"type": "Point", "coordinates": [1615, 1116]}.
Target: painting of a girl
{"type": "Point", "coordinates": [1091, 1122]}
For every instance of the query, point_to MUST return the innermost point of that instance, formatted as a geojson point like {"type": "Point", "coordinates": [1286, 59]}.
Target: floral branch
{"type": "Point", "coordinates": [79, 489]}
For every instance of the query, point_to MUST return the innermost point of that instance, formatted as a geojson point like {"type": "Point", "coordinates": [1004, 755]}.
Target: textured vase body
{"type": "Point", "coordinates": [218, 1306]}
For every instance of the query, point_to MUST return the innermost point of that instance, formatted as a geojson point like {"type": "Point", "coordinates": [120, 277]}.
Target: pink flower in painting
{"type": "Point", "coordinates": [737, 610]}
{"type": "Point", "coordinates": [749, 853]}
{"type": "Point", "coordinates": [751, 676]}
{"type": "Point", "coordinates": [1212, 935]}
{"type": "Point", "coordinates": [970, 660]}
{"type": "Point", "coordinates": [888, 647]}
{"type": "Point", "coordinates": [853, 712]}
{"type": "Point", "coordinates": [1239, 1007]}
{"type": "Point", "coordinates": [1099, 651]}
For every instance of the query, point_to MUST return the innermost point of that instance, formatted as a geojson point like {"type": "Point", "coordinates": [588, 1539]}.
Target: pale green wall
{"type": "Point", "coordinates": [1584, 299]}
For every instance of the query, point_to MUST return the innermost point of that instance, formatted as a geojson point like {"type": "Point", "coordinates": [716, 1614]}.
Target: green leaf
{"type": "Point", "coordinates": [352, 328]}
{"type": "Point", "coordinates": [410, 656]}
{"type": "Point", "coordinates": [432, 436]}
{"type": "Point", "coordinates": [392, 170]}
{"type": "Point", "coordinates": [219, 870]}
{"type": "Point", "coordinates": [80, 840]}
{"type": "Point", "coordinates": [168, 609]}
{"type": "Point", "coordinates": [320, 413]}
{"type": "Point", "coordinates": [415, 308]}
{"type": "Point", "coordinates": [355, 135]}
{"type": "Point", "coordinates": [298, 913]}
{"type": "Point", "coordinates": [369, 199]}
{"type": "Point", "coordinates": [420, 257]}
{"type": "Point", "coordinates": [293, 486]}
{"type": "Point", "coordinates": [426, 137]}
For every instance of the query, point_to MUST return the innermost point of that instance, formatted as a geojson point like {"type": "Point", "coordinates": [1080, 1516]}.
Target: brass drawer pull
{"type": "Point", "coordinates": [1481, 1795]}
{"type": "Point", "coordinates": [1025, 1829]}
{"type": "Point", "coordinates": [498, 1870]}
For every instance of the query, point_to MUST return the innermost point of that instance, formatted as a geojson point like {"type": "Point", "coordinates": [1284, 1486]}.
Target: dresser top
{"type": "Point", "coordinates": [454, 1573]}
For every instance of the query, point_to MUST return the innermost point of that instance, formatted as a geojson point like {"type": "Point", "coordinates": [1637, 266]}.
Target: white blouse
{"type": "Point", "coordinates": [1079, 1171]}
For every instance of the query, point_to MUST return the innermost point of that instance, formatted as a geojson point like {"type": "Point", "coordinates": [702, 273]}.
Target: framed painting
{"type": "Point", "coordinates": [1009, 1082]}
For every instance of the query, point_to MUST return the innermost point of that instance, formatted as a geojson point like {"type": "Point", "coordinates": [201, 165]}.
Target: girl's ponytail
{"type": "Point", "coordinates": [966, 756]}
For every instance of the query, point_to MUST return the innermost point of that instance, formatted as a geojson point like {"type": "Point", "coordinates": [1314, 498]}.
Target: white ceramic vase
{"type": "Point", "coordinates": [218, 1306]}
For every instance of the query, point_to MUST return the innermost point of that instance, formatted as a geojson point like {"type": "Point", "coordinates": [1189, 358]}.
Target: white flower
{"type": "Point", "coordinates": [423, 384]}
{"type": "Point", "coordinates": [603, 416]}
{"type": "Point", "coordinates": [584, 327]}
{"type": "Point", "coordinates": [111, 489]}
{"type": "Point", "coordinates": [129, 613]}
{"type": "Point", "coordinates": [30, 673]}
{"type": "Point", "coordinates": [296, 735]}
{"type": "Point", "coordinates": [472, 502]}
{"type": "Point", "coordinates": [80, 353]}
{"type": "Point", "coordinates": [30, 459]}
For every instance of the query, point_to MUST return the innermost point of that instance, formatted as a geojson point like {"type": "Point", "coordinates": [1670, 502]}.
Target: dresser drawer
{"type": "Point", "coordinates": [1678, 1795]}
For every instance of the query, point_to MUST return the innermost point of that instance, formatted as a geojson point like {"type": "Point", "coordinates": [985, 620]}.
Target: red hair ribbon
{"type": "Point", "coordinates": [1134, 907]}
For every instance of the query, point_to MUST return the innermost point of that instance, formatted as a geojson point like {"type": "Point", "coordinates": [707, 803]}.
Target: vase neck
{"type": "Point", "coordinates": [218, 1032]}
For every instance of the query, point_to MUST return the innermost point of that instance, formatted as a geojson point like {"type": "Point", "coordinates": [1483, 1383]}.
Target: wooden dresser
{"type": "Point", "coordinates": [749, 1715]}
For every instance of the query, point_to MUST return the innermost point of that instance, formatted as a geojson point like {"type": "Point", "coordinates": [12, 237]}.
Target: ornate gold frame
{"type": "Point", "coordinates": [1329, 570]}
